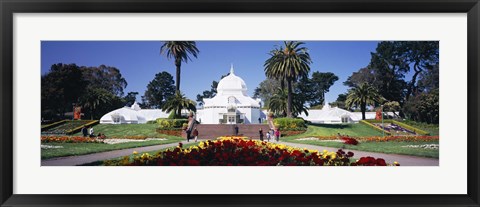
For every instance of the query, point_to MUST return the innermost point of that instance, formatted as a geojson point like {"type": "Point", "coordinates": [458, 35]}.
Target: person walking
{"type": "Point", "coordinates": [236, 130]}
{"type": "Point", "coordinates": [260, 132]}
{"type": "Point", "coordinates": [277, 135]}
{"type": "Point", "coordinates": [268, 136]}
{"type": "Point", "coordinates": [195, 133]}
{"type": "Point", "coordinates": [259, 120]}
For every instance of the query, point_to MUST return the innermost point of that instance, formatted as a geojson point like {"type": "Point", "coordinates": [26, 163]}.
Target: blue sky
{"type": "Point", "coordinates": [139, 61]}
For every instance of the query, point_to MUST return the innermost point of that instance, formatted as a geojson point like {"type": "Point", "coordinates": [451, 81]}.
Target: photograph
{"type": "Point", "coordinates": [240, 103]}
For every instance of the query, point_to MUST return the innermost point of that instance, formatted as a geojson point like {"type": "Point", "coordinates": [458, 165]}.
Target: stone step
{"type": "Point", "coordinates": [212, 131]}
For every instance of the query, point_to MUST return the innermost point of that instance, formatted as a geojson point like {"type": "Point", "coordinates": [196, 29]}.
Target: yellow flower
{"type": "Point", "coordinates": [135, 152]}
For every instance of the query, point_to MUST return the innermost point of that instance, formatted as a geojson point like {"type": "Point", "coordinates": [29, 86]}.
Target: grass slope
{"type": "Point", "coordinates": [72, 149]}
{"type": "Point", "coordinates": [124, 130]}
{"type": "Point", "coordinates": [354, 130]}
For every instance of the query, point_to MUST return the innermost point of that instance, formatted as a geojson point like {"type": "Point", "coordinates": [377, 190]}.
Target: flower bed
{"type": "Point", "coordinates": [235, 151]}
{"type": "Point", "coordinates": [349, 140]}
{"type": "Point", "coordinates": [385, 139]}
{"type": "Point", "coordinates": [67, 139]}
{"type": "Point", "coordinates": [172, 132]}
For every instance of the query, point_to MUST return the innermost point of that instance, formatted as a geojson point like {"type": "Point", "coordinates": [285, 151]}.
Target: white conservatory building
{"type": "Point", "coordinates": [231, 105]}
{"type": "Point", "coordinates": [132, 115]}
{"type": "Point", "coordinates": [331, 115]}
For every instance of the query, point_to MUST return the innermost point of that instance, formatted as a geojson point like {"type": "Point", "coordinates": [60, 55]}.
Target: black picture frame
{"type": "Point", "coordinates": [9, 7]}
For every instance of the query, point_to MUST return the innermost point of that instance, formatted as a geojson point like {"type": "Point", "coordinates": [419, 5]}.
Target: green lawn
{"type": "Point", "coordinates": [382, 147]}
{"type": "Point", "coordinates": [433, 129]}
{"type": "Point", "coordinates": [354, 130]}
{"type": "Point", "coordinates": [71, 149]}
{"type": "Point", "coordinates": [123, 130]}
{"type": "Point", "coordinates": [130, 157]}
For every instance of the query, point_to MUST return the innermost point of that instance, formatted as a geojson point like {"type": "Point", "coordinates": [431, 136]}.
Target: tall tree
{"type": "Point", "coordinates": [159, 90]}
{"type": "Point", "coordinates": [288, 63]}
{"type": "Point", "coordinates": [266, 89]}
{"type": "Point", "coordinates": [106, 77]}
{"type": "Point", "coordinates": [321, 83]}
{"type": "Point", "coordinates": [363, 95]}
{"type": "Point", "coordinates": [93, 98]}
{"type": "Point", "coordinates": [130, 98]}
{"type": "Point", "coordinates": [177, 103]}
{"type": "Point", "coordinates": [278, 103]}
{"type": "Point", "coordinates": [60, 88]}
{"type": "Point", "coordinates": [180, 51]}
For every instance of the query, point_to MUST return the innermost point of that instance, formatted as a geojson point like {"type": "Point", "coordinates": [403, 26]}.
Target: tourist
{"type": "Point", "coordinates": [91, 132]}
{"type": "Point", "coordinates": [195, 133]}
{"type": "Point", "coordinates": [260, 132]}
{"type": "Point", "coordinates": [272, 134]}
{"type": "Point", "coordinates": [268, 136]}
{"type": "Point", "coordinates": [236, 130]}
{"type": "Point", "coordinates": [277, 135]}
{"type": "Point", "coordinates": [259, 120]}
{"type": "Point", "coordinates": [84, 131]}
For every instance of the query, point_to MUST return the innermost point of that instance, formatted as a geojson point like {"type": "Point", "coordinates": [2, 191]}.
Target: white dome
{"type": "Point", "coordinates": [232, 84]}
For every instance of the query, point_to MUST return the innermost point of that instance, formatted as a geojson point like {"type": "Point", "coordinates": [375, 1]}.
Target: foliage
{"type": "Point", "coordinates": [266, 89]}
{"type": "Point", "coordinates": [159, 90]}
{"type": "Point", "coordinates": [240, 152]}
{"type": "Point", "coordinates": [288, 63]}
{"type": "Point", "coordinates": [130, 98]}
{"type": "Point", "coordinates": [361, 96]}
{"type": "Point", "coordinates": [321, 83]}
{"type": "Point", "coordinates": [171, 123]}
{"type": "Point", "coordinates": [68, 139]}
{"type": "Point", "coordinates": [290, 123]}
{"type": "Point", "coordinates": [424, 107]}
{"type": "Point", "coordinates": [106, 77]}
{"type": "Point", "coordinates": [60, 88]}
{"type": "Point", "coordinates": [180, 51]}
{"type": "Point", "coordinates": [177, 103]}
{"type": "Point", "coordinates": [391, 106]}
{"type": "Point", "coordinates": [279, 104]}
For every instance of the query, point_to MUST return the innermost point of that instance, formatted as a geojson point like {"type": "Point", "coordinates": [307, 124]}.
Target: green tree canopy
{"type": "Point", "coordinates": [361, 96]}
{"type": "Point", "coordinates": [289, 62]}
{"type": "Point", "coordinates": [159, 90]}
{"type": "Point", "coordinates": [177, 103]}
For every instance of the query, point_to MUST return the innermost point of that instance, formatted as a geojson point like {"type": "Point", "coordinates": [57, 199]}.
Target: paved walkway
{"type": "Point", "coordinates": [404, 160]}
{"type": "Point", "coordinates": [84, 159]}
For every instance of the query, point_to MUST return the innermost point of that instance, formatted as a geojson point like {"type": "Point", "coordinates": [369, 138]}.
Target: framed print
{"type": "Point", "coordinates": [196, 103]}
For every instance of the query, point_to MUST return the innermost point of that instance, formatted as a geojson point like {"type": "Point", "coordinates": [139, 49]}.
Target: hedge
{"type": "Point", "coordinates": [54, 124]}
{"type": "Point", "coordinates": [292, 124]}
{"type": "Point", "coordinates": [170, 123]}
{"type": "Point", "coordinates": [411, 128]}
{"type": "Point", "coordinates": [375, 127]}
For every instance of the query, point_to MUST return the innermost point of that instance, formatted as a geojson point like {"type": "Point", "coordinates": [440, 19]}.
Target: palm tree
{"type": "Point", "coordinates": [94, 98]}
{"type": "Point", "coordinates": [363, 95]}
{"type": "Point", "coordinates": [180, 51]}
{"type": "Point", "coordinates": [278, 103]}
{"type": "Point", "coordinates": [288, 64]}
{"type": "Point", "coordinates": [177, 103]}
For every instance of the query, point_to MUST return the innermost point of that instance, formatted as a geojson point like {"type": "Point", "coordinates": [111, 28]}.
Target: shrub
{"type": "Point", "coordinates": [170, 123]}
{"type": "Point", "coordinates": [290, 124]}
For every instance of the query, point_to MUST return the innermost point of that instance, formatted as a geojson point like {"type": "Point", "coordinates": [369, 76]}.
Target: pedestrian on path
{"type": "Point", "coordinates": [195, 133]}
{"type": "Point", "coordinates": [260, 132]}
{"type": "Point", "coordinates": [268, 136]}
{"type": "Point", "coordinates": [92, 133]}
{"type": "Point", "coordinates": [277, 135]}
{"type": "Point", "coordinates": [236, 130]}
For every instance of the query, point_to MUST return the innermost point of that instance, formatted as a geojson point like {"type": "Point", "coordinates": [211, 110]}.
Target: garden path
{"type": "Point", "coordinates": [84, 159]}
{"type": "Point", "coordinates": [404, 160]}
